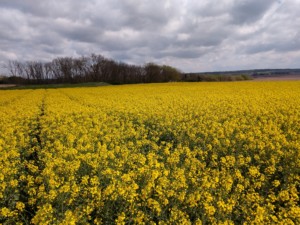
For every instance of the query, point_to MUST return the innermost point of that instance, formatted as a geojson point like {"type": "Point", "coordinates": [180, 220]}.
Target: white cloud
{"type": "Point", "coordinates": [192, 35]}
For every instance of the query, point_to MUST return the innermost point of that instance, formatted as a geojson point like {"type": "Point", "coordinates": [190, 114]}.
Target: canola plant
{"type": "Point", "coordinates": [176, 153]}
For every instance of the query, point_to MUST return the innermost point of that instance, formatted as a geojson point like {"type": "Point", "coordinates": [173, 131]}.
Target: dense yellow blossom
{"type": "Point", "coordinates": [177, 153]}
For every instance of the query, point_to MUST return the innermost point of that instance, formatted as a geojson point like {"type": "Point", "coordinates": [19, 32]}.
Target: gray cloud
{"type": "Point", "coordinates": [189, 34]}
{"type": "Point", "coordinates": [249, 11]}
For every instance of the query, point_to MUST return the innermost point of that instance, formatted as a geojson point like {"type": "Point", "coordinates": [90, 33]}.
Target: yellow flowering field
{"type": "Point", "coordinates": [175, 153]}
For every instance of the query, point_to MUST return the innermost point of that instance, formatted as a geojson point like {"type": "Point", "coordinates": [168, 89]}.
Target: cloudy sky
{"type": "Point", "coordinates": [192, 35]}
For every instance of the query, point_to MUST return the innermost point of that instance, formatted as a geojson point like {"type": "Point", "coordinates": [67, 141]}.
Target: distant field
{"type": "Point", "coordinates": [7, 85]}
{"type": "Point", "coordinates": [278, 78]}
{"type": "Point", "coordinates": [172, 153]}
{"type": "Point", "coordinates": [51, 86]}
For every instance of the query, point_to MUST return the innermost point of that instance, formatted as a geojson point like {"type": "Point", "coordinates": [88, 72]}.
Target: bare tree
{"type": "Point", "coordinates": [15, 68]}
{"type": "Point", "coordinates": [93, 68]}
{"type": "Point", "coordinates": [153, 73]}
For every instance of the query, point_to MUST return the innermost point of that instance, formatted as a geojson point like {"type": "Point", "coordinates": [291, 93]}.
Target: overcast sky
{"type": "Point", "coordinates": [192, 35]}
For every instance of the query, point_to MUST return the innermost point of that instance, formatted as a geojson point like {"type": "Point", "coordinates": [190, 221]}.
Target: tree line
{"type": "Point", "coordinates": [93, 68]}
{"type": "Point", "coordinates": [218, 77]}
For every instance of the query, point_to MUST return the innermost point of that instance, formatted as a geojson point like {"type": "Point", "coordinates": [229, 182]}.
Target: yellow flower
{"type": "Point", "coordinates": [20, 206]}
{"type": "Point", "coordinates": [5, 212]}
{"type": "Point", "coordinates": [151, 153]}
{"type": "Point", "coordinates": [121, 219]}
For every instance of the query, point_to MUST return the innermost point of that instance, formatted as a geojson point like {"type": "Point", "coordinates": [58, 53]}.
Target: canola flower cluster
{"type": "Point", "coordinates": [176, 153]}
